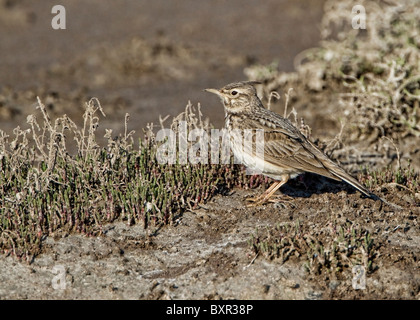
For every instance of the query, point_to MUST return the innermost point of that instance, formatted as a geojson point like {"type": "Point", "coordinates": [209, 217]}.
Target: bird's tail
{"type": "Point", "coordinates": [334, 171]}
{"type": "Point", "coordinates": [341, 174]}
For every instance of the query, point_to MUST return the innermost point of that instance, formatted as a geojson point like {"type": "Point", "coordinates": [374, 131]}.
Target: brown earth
{"type": "Point", "coordinates": [206, 255]}
{"type": "Point", "coordinates": [152, 59]}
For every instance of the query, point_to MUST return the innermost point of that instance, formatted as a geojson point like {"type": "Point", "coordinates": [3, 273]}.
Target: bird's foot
{"type": "Point", "coordinates": [263, 199]}
{"type": "Point", "coordinates": [256, 201]}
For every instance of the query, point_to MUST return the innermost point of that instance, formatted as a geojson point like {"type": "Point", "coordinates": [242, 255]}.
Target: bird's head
{"type": "Point", "coordinates": [238, 97]}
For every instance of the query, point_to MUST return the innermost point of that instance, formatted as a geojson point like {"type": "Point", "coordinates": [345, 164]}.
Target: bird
{"type": "Point", "coordinates": [286, 152]}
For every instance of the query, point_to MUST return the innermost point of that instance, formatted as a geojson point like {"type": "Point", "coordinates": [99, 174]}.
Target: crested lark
{"type": "Point", "coordinates": [286, 151]}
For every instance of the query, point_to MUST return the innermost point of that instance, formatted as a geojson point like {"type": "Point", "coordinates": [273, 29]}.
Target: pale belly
{"type": "Point", "coordinates": [257, 165]}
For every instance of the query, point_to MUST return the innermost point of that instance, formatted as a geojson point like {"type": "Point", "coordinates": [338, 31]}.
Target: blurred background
{"type": "Point", "coordinates": [147, 58]}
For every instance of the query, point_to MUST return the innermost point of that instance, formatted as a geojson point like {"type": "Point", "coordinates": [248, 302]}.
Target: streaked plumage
{"type": "Point", "coordinates": [287, 152]}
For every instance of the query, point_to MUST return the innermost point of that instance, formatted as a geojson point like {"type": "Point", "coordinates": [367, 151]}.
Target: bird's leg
{"type": "Point", "coordinates": [268, 193]}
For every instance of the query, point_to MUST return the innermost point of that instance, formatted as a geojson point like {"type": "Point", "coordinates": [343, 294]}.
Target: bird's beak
{"type": "Point", "coordinates": [215, 91]}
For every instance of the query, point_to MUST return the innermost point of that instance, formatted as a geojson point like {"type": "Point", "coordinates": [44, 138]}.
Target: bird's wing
{"type": "Point", "coordinates": [281, 148]}
{"type": "Point", "coordinates": [285, 146]}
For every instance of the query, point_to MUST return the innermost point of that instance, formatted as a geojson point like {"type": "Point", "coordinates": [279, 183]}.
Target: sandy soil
{"type": "Point", "coordinates": [151, 60]}
{"type": "Point", "coordinates": [206, 255]}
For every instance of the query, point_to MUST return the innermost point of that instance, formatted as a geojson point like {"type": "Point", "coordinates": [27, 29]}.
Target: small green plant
{"type": "Point", "coordinates": [403, 178]}
{"type": "Point", "coordinates": [343, 246]}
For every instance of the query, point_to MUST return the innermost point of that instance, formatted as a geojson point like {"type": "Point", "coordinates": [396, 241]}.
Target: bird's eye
{"type": "Point", "coordinates": [234, 92]}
